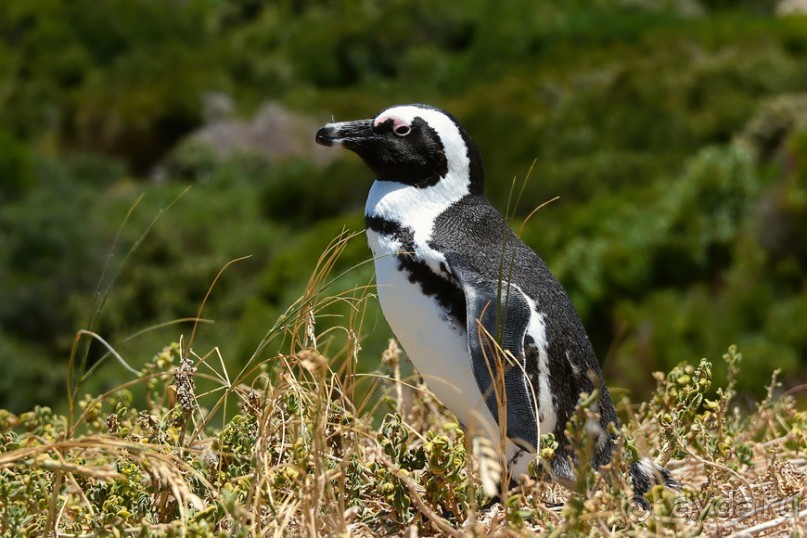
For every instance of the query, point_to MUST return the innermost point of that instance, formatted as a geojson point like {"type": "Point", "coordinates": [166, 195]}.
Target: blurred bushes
{"type": "Point", "coordinates": [16, 167]}
{"type": "Point", "coordinates": [120, 77]}
{"type": "Point", "coordinates": [52, 251]}
{"type": "Point", "coordinates": [674, 135]}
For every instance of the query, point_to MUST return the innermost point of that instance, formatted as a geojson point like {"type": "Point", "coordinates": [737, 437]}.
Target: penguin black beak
{"type": "Point", "coordinates": [347, 133]}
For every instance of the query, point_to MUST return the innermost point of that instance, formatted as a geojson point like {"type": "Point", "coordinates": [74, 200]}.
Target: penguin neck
{"type": "Point", "coordinates": [415, 207]}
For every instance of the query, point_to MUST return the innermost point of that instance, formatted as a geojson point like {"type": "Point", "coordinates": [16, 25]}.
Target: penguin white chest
{"type": "Point", "coordinates": [430, 337]}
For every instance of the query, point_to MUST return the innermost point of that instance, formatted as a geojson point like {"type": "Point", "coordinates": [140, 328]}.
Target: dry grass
{"type": "Point", "coordinates": [299, 453]}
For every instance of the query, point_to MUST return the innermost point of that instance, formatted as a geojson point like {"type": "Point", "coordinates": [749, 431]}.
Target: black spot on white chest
{"type": "Point", "coordinates": [432, 279]}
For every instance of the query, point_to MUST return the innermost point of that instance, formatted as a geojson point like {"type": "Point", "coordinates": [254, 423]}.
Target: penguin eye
{"type": "Point", "coordinates": [402, 130]}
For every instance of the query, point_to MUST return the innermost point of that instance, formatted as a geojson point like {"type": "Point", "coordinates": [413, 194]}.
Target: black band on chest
{"type": "Point", "coordinates": [447, 294]}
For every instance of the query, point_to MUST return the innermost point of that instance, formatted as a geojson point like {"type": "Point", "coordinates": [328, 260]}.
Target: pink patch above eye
{"type": "Point", "coordinates": [396, 121]}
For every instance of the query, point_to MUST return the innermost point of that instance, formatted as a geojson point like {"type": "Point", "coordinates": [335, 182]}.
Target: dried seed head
{"type": "Point", "coordinates": [311, 360]}
{"type": "Point", "coordinates": [392, 355]}
{"type": "Point", "coordinates": [490, 467]}
{"type": "Point", "coordinates": [185, 386]}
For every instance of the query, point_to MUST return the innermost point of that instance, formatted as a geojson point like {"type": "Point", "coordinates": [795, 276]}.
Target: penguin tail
{"type": "Point", "coordinates": [645, 474]}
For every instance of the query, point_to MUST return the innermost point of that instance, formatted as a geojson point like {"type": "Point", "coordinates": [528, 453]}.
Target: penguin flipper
{"type": "Point", "coordinates": [498, 312]}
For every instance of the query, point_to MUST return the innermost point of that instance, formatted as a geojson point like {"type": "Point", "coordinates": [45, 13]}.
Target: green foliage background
{"type": "Point", "coordinates": [675, 137]}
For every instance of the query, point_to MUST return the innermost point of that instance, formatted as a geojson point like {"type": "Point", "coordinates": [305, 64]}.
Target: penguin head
{"type": "Point", "coordinates": [417, 145]}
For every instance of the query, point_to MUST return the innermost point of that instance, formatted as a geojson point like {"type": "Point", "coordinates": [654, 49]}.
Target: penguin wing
{"type": "Point", "coordinates": [497, 312]}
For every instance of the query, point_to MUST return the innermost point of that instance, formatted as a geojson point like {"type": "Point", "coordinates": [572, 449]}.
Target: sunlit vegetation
{"type": "Point", "coordinates": [674, 135]}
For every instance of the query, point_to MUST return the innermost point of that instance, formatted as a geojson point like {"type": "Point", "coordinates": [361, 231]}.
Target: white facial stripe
{"type": "Point", "coordinates": [453, 144]}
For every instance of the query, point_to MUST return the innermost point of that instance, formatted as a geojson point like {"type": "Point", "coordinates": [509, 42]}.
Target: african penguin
{"type": "Point", "coordinates": [451, 275]}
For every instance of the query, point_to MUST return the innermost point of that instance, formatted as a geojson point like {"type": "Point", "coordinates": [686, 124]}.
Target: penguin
{"type": "Point", "coordinates": [452, 278]}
